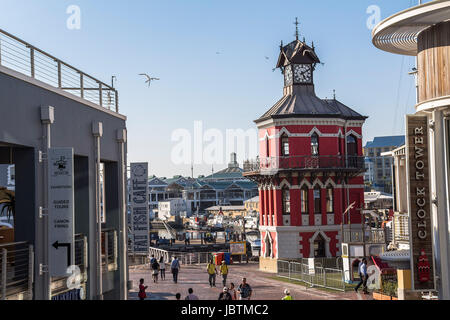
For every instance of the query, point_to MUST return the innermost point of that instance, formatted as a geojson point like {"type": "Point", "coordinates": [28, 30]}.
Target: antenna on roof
{"type": "Point", "coordinates": [192, 171]}
{"type": "Point", "coordinates": [334, 94]}
{"type": "Point", "coordinates": [296, 28]}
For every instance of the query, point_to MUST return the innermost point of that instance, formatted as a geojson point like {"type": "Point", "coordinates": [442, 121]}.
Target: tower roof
{"type": "Point", "coordinates": [302, 102]}
{"type": "Point", "coordinates": [297, 52]}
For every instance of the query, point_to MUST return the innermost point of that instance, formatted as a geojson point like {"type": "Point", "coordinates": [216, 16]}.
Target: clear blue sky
{"type": "Point", "coordinates": [177, 40]}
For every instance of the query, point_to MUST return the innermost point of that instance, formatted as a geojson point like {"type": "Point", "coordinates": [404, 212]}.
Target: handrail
{"type": "Point", "coordinates": [14, 57]}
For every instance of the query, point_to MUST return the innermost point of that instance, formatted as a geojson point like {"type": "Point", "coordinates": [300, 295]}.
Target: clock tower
{"type": "Point", "coordinates": [310, 168]}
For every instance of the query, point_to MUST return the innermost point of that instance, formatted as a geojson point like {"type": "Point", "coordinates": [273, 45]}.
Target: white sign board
{"type": "Point", "coordinates": [311, 266]}
{"type": "Point", "coordinates": [60, 211]}
{"type": "Point", "coordinates": [139, 207]}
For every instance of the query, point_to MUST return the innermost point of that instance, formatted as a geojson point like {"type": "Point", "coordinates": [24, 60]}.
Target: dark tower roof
{"type": "Point", "coordinates": [300, 100]}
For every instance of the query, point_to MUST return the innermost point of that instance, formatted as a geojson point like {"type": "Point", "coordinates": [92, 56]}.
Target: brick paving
{"type": "Point", "coordinates": [264, 288]}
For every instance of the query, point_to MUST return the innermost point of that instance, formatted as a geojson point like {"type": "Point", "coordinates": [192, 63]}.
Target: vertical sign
{"type": "Point", "coordinates": [419, 204]}
{"type": "Point", "coordinates": [60, 211]}
{"type": "Point", "coordinates": [139, 207]}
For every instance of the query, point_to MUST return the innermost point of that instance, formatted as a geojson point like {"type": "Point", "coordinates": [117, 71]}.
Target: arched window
{"type": "Point", "coordinates": [319, 247]}
{"type": "Point", "coordinates": [284, 145]}
{"type": "Point", "coordinates": [286, 202]}
{"type": "Point", "coordinates": [304, 200]}
{"type": "Point", "coordinates": [315, 144]}
{"type": "Point", "coordinates": [352, 146]}
{"type": "Point", "coordinates": [330, 199]}
{"type": "Point", "coordinates": [317, 200]}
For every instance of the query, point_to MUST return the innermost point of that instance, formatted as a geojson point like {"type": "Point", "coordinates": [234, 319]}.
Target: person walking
{"type": "Point", "coordinates": [175, 268]}
{"type": "Point", "coordinates": [232, 291]}
{"type": "Point", "coordinates": [225, 295]}
{"type": "Point", "coordinates": [224, 272]}
{"type": "Point", "coordinates": [162, 268]}
{"type": "Point", "coordinates": [152, 259]}
{"type": "Point", "coordinates": [287, 295]}
{"type": "Point", "coordinates": [212, 272]}
{"type": "Point", "coordinates": [362, 269]}
{"type": "Point", "coordinates": [245, 291]}
{"type": "Point", "coordinates": [142, 295]}
{"type": "Point", "coordinates": [191, 295]}
{"type": "Point", "coordinates": [155, 270]}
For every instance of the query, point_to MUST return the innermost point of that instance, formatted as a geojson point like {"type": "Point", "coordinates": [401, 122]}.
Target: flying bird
{"type": "Point", "coordinates": [267, 58]}
{"type": "Point", "coordinates": [149, 79]}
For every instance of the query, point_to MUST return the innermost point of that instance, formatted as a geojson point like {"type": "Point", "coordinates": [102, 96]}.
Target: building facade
{"type": "Point", "coordinates": [379, 175]}
{"type": "Point", "coordinates": [310, 166]}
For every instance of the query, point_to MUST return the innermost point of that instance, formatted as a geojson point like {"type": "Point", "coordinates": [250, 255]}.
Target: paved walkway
{"type": "Point", "coordinates": [264, 288]}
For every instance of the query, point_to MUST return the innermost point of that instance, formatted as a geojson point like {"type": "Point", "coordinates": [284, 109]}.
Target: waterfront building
{"type": "Point", "coordinates": [423, 31]}
{"type": "Point", "coordinates": [310, 166]}
{"type": "Point", "coordinates": [171, 208]}
{"type": "Point", "coordinates": [379, 175]}
{"type": "Point", "coordinates": [47, 103]}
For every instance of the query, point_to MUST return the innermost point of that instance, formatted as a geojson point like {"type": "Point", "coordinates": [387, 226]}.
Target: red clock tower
{"type": "Point", "coordinates": [310, 166]}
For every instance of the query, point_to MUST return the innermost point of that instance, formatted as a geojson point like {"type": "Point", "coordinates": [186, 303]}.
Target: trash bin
{"type": "Point", "coordinates": [219, 257]}
{"type": "Point", "coordinates": [227, 258]}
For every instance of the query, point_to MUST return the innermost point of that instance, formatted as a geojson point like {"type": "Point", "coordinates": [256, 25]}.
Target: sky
{"type": "Point", "coordinates": [215, 60]}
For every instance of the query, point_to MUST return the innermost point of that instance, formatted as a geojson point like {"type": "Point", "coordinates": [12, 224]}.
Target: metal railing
{"type": "Point", "coordinates": [330, 278]}
{"type": "Point", "coordinates": [24, 58]}
{"type": "Point", "coordinates": [371, 236]}
{"type": "Point", "coordinates": [59, 284]}
{"type": "Point", "coordinates": [305, 162]}
{"type": "Point", "coordinates": [185, 258]}
{"type": "Point", "coordinates": [109, 250]}
{"type": "Point", "coordinates": [16, 271]}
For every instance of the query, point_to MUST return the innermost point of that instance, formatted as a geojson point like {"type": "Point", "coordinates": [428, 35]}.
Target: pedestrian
{"type": "Point", "coordinates": [191, 295]}
{"type": "Point", "coordinates": [225, 295]}
{"type": "Point", "coordinates": [175, 268]}
{"type": "Point", "coordinates": [224, 272]}
{"type": "Point", "coordinates": [142, 295]}
{"type": "Point", "coordinates": [212, 271]}
{"type": "Point", "coordinates": [152, 259]}
{"type": "Point", "coordinates": [245, 291]}
{"type": "Point", "coordinates": [232, 291]}
{"type": "Point", "coordinates": [362, 269]}
{"type": "Point", "coordinates": [155, 270]}
{"type": "Point", "coordinates": [162, 268]}
{"type": "Point", "coordinates": [178, 296]}
{"type": "Point", "coordinates": [287, 295]}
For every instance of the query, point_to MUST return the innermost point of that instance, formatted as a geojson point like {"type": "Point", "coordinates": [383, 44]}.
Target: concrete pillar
{"type": "Point", "coordinates": [404, 286]}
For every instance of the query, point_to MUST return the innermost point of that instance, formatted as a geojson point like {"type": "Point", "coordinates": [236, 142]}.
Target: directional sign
{"type": "Point", "coordinates": [60, 211]}
{"type": "Point", "coordinates": [139, 207]}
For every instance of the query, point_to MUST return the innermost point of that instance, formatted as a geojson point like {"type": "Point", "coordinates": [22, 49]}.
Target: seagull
{"type": "Point", "coordinates": [149, 79]}
{"type": "Point", "coordinates": [267, 58]}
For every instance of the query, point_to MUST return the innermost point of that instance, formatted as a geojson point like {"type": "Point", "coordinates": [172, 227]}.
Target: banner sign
{"type": "Point", "coordinates": [238, 248]}
{"type": "Point", "coordinates": [139, 207]}
{"type": "Point", "coordinates": [419, 204]}
{"type": "Point", "coordinates": [60, 211]}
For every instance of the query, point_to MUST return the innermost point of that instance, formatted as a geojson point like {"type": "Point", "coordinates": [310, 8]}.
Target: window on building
{"type": "Point", "coordinates": [352, 146]}
{"type": "Point", "coordinates": [284, 145]}
{"type": "Point", "coordinates": [267, 147]}
{"type": "Point", "coordinates": [315, 144]}
{"type": "Point", "coordinates": [304, 200]}
{"type": "Point", "coordinates": [319, 247]}
{"type": "Point", "coordinates": [317, 200]}
{"type": "Point", "coordinates": [330, 199]}
{"type": "Point", "coordinates": [286, 202]}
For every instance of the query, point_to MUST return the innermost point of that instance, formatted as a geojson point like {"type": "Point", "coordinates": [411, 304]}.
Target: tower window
{"type": "Point", "coordinates": [304, 200]}
{"type": "Point", "coordinates": [352, 146]}
{"type": "Point", "coordinates": [267, 147]}
{"type": "Point", "coordinates": [284, 145]}
{"type": "Point", "coordinates": [330, 199]}
{"type": "Point", "coordinates": [315, 144]}
{"type": "Point", "coordinates": [317, 200]}
{"type": "Point", "coordinates": [286, 202]}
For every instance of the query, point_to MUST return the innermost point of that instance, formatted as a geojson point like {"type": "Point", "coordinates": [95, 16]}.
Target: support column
{"type": "Point", "coordinates": [278, 207]}
{"type": "Point", "coordinates": [295, 207]}
{"type": "Point", "coordinates": [261, 207]}
{"type": "Point", "coordinates": [270, 207]}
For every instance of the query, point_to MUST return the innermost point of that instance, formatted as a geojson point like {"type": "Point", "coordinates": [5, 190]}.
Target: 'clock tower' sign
{"type": "Point", "coordinates": [419, 204]}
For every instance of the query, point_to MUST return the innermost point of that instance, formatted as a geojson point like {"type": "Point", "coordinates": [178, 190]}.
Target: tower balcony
{"type": "Point", "coordinates": [272, 165]}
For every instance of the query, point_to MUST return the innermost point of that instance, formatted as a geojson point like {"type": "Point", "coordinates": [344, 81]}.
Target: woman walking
{"type": "Point", "coordinates": [162, 268]}
{"type": "Point", "coordinates": [155, 271]}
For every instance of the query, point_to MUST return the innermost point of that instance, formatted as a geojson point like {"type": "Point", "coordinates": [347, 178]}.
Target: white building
{"type": "Point", "coordinates": [171, 208]}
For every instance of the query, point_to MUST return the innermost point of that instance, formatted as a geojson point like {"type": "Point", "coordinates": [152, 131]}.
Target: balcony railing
{"type": "Point", "coordinates": [24, 58]}
{"type": "Point", "coordinates": [371, 236]}
{"type": "Point", "coordinates": [305, 163]}
{"type": "Point", "coordinates": [16, 271]}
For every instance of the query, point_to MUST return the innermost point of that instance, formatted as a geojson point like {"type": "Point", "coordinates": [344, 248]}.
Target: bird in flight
{"type": "Point", "coordinates": [149, 79]}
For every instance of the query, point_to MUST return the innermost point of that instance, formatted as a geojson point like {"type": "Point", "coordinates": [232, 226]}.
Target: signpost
{"type": "Point", "coordinates": [60, 211]}
{"type": "Point", "coordinates": [419, 204]}
{"type": "Point", "coordinates": [139, 208]}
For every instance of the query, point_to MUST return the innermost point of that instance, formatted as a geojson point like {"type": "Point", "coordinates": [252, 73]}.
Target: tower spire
{"type": "Point", "coordinates": [296, 28]}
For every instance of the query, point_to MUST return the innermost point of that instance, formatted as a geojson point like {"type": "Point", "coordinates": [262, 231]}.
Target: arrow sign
{"type": "Point", "coordinates": [56, 245]}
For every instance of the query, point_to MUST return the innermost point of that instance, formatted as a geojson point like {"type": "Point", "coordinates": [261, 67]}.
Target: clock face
{"type": "Point", "coordinates": [288, 76]}
{"type": "Point", "coordinates": [302, 73]}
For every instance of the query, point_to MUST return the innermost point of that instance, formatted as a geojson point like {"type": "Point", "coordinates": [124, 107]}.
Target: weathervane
{"type": "Point", "coordinates": [296, 28]}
